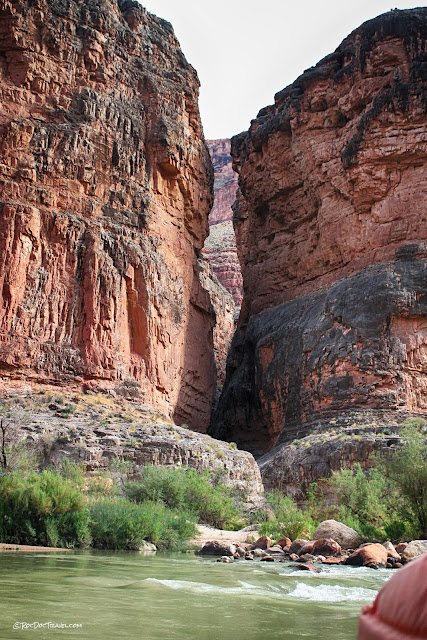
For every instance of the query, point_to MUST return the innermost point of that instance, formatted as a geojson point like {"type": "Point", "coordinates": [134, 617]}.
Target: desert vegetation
{"type": "Point", "coordinates": [65, 508]}
{"type": "Point", "coordinates": [124, 508]}
{"type": "Point", "coordinates": [388, 502]}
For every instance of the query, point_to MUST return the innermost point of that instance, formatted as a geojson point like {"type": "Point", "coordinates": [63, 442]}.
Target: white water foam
{"type": "Point", "coordinates": [332, 593]}
{"type": "Point", "coordinates": [245, 588]}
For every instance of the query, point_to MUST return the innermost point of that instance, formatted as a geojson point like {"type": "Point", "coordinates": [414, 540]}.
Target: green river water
{"type": "Point", "coordinates": [130, 596]}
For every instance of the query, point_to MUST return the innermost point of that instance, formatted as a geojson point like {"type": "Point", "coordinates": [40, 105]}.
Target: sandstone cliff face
{"type": "Point", "coordinates": [225, 184]}
{"type": "Point", "coordinates": [332, 237]}
{"type": "Point", "coordinates": [224, 310]}
{"type": "Point", "coordinates": [106, 185]}
{"type": "Point", "coordinates": [220, 247]}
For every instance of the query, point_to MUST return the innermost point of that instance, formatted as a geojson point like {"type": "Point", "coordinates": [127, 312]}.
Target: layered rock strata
{"type": "Point", "coordinates": [332, 237]}
{"type": "Point", "coordinates": [225, 181]}
{"type": "Point", "coordinates": [106, 185]}
{"type": "Point", "coordinates": [220, 247]}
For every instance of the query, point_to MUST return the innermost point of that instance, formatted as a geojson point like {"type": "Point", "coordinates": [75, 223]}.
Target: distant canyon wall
{"type": "Point", "coordinates": [220, 247]}
{"type": "Point", "coordinates": [105, 189]}
{"type": "Point", "coordinates": [332, 237]}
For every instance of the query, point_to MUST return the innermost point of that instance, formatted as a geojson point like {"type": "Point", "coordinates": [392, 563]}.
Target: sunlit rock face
{"type": "Point", "coordinates": [106, 185]}
{"type": "Point", "coordinates": [332, 236]}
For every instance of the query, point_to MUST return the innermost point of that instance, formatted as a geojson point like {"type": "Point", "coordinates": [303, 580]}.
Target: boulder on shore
{"type": "Point", "coordinates": [323, 547]}
{"type": "Point", "coordinates": [400, 548]}
{"type": "Point", "coordinates": [263, 542]}
{"type": "Point", "coordinates": [297, 545]}
{"type": "Point", "coordinates": [370, 555]}
{"type": "Point", "coordinates": [284, 542]}
{"type": "Point", "coordinates": [347, 537]}
{"type": "Point", "coordinates": [391, 550]}
{"type": "Point", "coordinates": [217, 548]}
{"type": "Point", "coordinates": [414, 549]}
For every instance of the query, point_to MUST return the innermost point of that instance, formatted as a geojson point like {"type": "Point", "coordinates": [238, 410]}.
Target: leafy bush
{"type": "Point", "coordinates": [407, 471]}
{"type": "Point", "coordinates": [190, 491]}
{"type": "Point", "coordinates": [118, 523]}
{"type": "Point", "coordinates": [289, 520]}
{"type": "Point", "coordinates": [370, 503]}
{"type": "Point", "coordinates": [417, 424]}
{"type": "Point", "coordinates": [73, 472]}
{"type": "Point", "coordinates": [42, 508]}
{"type": "Point", "coordinates": [101, 484]}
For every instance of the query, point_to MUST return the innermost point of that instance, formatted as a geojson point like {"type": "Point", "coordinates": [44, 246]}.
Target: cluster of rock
{"type": "Point", "coordinates": [333, 543]}
{"type": "Point", "coordinates": [331, 230]}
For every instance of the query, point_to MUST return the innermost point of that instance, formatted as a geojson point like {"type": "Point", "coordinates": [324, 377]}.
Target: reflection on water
{"type": "Point", "coordinates": [125, 595]}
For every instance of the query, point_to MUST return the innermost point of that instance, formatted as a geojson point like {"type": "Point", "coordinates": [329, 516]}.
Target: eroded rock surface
{"type": "Point", "coordinates": [225, 185]}
{"type": "Point", "coordinates": [220, 247]}
{"type": "Point", "coordinates": [293, 467]}
{"type": "Point", "coordinates": [224, 309]}
{"type": "Point", "coordinates": [332, 237]}
{"type": "Point", "coordinates": [94, 429]}
{"type": "Point", "coordinates": [106, 185]}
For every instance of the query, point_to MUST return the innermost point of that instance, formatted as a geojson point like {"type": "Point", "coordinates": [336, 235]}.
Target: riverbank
{"type": "Point", "coordinates": [206, 534]}
{"type": "Point", "coordinates": [29, 548]}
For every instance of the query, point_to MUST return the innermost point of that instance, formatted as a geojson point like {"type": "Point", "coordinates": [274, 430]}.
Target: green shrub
{"type": "Point", "coordinates": [289, 520]}
{"type": "Point", "coordinates": [407, 470]}
{"type": "Point", "coordinates": [42, 509]}
{"type": "Point", "coordinates": [101, 484]}
{"type": "Point", "coordinates": [415, 423]}
{"type": "Point", "coordinates": [118, 523]}
{"type": "Point", "coordinates": [73, 472]}
{"type": "Point", "coordinates": [370, 503]}
{"type": "Point", "coordinates": [21, 458]}
{"type": "Point", "coordinates": [189, 490]}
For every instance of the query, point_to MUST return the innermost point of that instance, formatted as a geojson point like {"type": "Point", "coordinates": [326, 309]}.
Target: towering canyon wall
{"type": "Point", "coordinates": [220, 248]}
{"type": "Point", "coordinates": [332, 236]}
{"type": "Point", "coordinates": [106, 185]}
{"type": "Point", "coordinates": [225, 181]}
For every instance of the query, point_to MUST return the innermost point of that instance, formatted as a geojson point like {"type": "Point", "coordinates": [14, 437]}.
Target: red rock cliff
{"type": "Point", "coordinates": [106, 185]}
{"type": "Point", "coordinates": [220, 247]}
{"type": "Point", "coordinates": [332, 236]}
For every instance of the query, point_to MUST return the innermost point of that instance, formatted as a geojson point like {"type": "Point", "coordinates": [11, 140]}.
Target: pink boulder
{"type": "Point", "coordinates": [263, 542]}
{"type": "Point", "coordinates": [323, 547]}
{"type": "Point", "coordinates": [370, 555]}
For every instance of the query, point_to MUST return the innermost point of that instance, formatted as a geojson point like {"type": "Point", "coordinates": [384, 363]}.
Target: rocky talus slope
{"type": "Point", "coordinates": [99, 430]}
{"type": "Point", "coordinates": [220, 247]}
{"type": "Point", "coordinates": [332, 238]}
{"type": "Point", "coordinates": [293, 466]}
{"type": "Point", "coordinates": [106, 185]}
